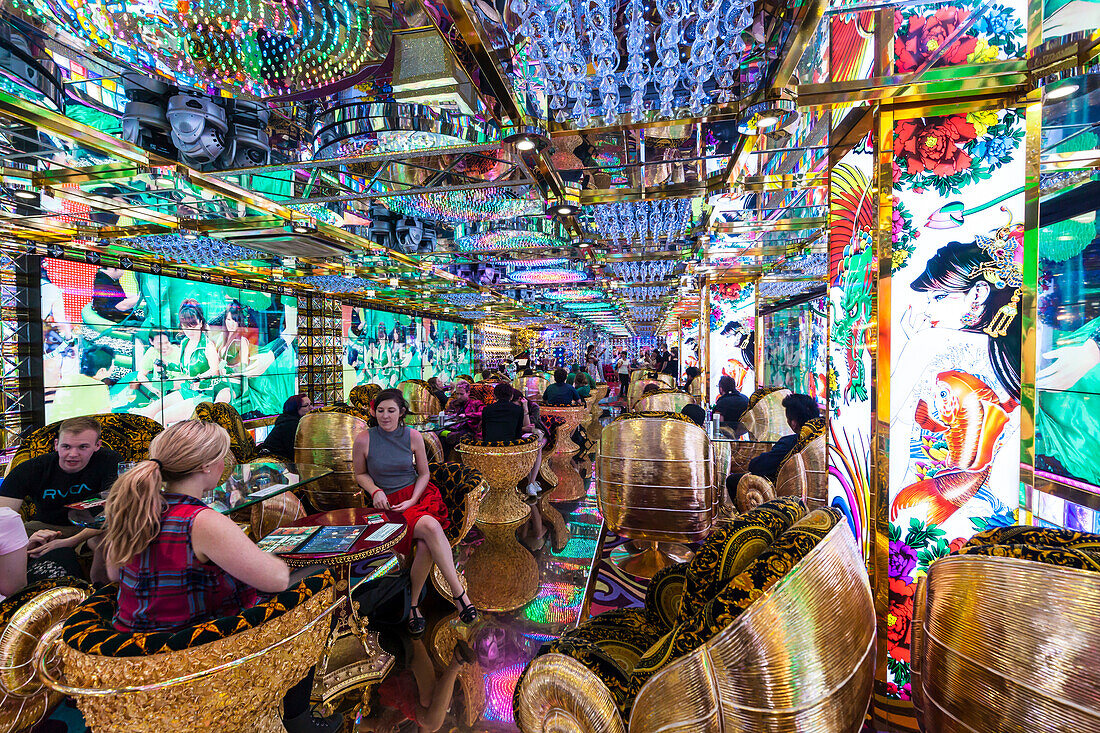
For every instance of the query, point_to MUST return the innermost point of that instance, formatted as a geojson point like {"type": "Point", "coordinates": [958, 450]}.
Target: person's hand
{"type": "Point", "coordinates": [380, 500]}
{"type": "Point", "coordinates": [914, 322]}
{"type": "Point", "coordinates": [1070, 364]}
{"type": "Point", "coordinates": [41, 537]}
{"type": "Point", "coordinates": [403, 506]}
{"type": "Point", "coordinates": [52, 545]}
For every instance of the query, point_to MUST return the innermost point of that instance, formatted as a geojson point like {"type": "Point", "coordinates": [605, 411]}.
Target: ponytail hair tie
{"type": "Point", "coordinates": [158, 462]}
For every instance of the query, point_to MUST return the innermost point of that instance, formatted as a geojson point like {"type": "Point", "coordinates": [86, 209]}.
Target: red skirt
{"type": "Point", "coordinates": [430, 505]}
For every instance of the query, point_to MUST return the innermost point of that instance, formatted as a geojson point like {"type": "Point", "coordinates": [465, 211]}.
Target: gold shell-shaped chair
{"type": "Point", "coordinates": [765, 419]}
{"type": "Point", "coordinates": [667, 400]}
{"type": "Point", "coordinates": [531, 387]}
{"type": "Point", "coordinates": [800, 658]}
{"type": "Point", "coordinates": [28, 619]}
{"type": "Point", "coordinates": [803, 473]}
{"type": "Point", "coordinates": [637, 387]}
{"type": "Point", "coordinates": [1006, 644]}
{"type": "Point", "coordinates": [655, 484]}
{"type": "Point", "coordinates": [234, 682]}
{"type": "Point", "coordinates": [326, 439]}
{"type": "Point", "coordinates": [420, 398]}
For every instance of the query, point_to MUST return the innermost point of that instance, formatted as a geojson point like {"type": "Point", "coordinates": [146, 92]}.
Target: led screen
{"type": "Point", "coordinates": [122, 341]}
{"type": "Point", "coordinates": [794, 351]}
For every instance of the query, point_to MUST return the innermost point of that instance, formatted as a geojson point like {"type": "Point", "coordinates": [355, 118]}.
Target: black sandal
{"type": "Point", "coordinates": [466, 611]}
{"type": "Point", "coordinates": [417, 622]}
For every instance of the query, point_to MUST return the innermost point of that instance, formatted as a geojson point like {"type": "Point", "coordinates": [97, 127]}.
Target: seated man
{"type": "Point", "coordinates": [507, 419]}
{"type": "Point", "coordinates": [800, 409]}
{"type": "Point", "coordinates": [109, 300]}
{"type": "Point", "coordinates": [731, 404]}
{"type": "Point", "coordinates": [560, 394]}
{"type": "Point", "coordinates": [79, 468]}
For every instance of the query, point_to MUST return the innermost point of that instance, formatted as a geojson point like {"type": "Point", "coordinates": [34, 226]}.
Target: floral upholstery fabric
{"type": "Point", "coordinates": [127, 435]}
{"type": "Point", "coordinates": [1037, 537]}
{"type": "Point", "coordinates": [455, 482]}
{"type": "Point", "coordinates": [728, 551]}
{"type": "Point", "coordinates": [812, 430]}
{"type": "Point", "coordinates": [552, 423]}
{"type": "Point", "coordinates": [483, 392]}
{"type": "Point", "coordinates": [240, 440]}
{"type": "Point", "coordinates": [89, 628]}
{"type": "Point", "coordinates": [1066, 557]}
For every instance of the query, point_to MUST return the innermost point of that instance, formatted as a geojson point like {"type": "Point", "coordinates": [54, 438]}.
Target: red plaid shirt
{"type": "Point", "coordinates": [165, 587]}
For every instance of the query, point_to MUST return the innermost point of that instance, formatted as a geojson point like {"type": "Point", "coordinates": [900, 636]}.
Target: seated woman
{"type": "Point", "coordinates": [468, 412]}
{"type": "Point", "coordinates": [178, 562]}
{"type": "Point", "coordinates": [437, 388]}
{"type": "Point", "coordinates": [508, 419]}
{"type": "Point", "coordinates": [583, 385]}
{"type": "Point", "coordinates": [391, 464]}
{"type": "Point", "coordinates": [280, 441]}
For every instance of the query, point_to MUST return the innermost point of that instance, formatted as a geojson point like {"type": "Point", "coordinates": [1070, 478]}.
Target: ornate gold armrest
{"type": "Point", "coordinates": [752, 491]}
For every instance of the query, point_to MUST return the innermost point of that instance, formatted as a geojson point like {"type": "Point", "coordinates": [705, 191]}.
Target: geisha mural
{"type": "Point", "coordinates": [732, 335]}
{"type": "Point", "coordinates": [955, 347]}
{"type": "Point", "coordinates": [689, 344]}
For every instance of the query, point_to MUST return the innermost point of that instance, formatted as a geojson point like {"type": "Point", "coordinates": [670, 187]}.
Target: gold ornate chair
{"type": "Point", "coordinates": [802, 473]}
{"type": "Point", "coordinates": [637, 387]}
{"type": "Point", "coordinates": [241, 442]}
{"type": "Point", "coordinates": [462, 489]}
{"type": "Point", "coordinates": [125, 434]}
{"type": "Point", "coordinates": [531, 387]}
{"type": "Point", "coordinates": [501, 574]}
{"type": "Point", "coordinates": [326, 439]}
{"type": "Point", "coordinates": [655, 484]}
{"type": "Point", "coordinates": [667, 400]}
{"type": "Point", "coordinates": [695, 389]}
{"type": "Point", "coordinates": [229, 674]}
{"type": "Point", "coordinates": [465, 378]}
{"type": "Point", "coordinates": [362, 396]}
{"type": "Point", "coordinates": [765, 418]}
{"type": "Point", "coordinates": [767, 634]}
{"type": "Point", "coordinates": [29, 618]}
{"type": "Point", "coordinates": [965, 677]}
{"type": "Point", "coordinates": [420, 398]}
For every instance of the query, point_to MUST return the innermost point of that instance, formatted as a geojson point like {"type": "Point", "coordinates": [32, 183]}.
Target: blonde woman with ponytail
{"type": "Point", "coordinates": [179, 562]}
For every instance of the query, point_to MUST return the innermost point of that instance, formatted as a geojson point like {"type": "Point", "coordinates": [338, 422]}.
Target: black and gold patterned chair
{"type": "Point", "coordinates": [802, 473]}
{"type": "Point", "coordinates": [29, 618]}
{"type": "Point", "coordinates": [483, 392]}
{"type": "Point", "coordinates": [241, 442]}
{"type": "Point", "coordinates": [655, 485]}
{"type": "Point", "coordinates": [1041, 584]}
{"type": "Point", "coordinates": [464, 378]}
{"type": "Point", "coordinates": [419, 395]}
{"type": "Point", "coordinates": [461, 488]}
{"type": "Point", "coordinates": [773, 630]}
{"type": "Point", "coordinates": [362, 397]}
{"type": "Point", "coordinates": [229, 674]}
{"type": "Point", "coordinates": [125, 434]}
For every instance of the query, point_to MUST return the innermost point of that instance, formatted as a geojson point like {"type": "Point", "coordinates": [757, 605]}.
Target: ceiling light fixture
{"type": "Point", "coordinates": [1061, 92]}
{"type": "Point", "coordinates": [766, 121]}
{"type": "Point", "coordinates": [24, 193]}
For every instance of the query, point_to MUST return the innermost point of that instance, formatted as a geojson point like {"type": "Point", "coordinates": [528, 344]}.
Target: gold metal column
{"type": "Point", "coordinates": [704, 338]}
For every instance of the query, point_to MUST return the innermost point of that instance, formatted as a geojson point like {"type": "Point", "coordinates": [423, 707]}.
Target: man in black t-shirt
{"type": "Point", "coordinates": [78, 469]}
{"type": "Point", "coordinates": [109, 300]}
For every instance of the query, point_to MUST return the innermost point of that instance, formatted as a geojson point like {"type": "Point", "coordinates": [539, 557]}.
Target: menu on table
{"type": "Point", "coordinates": [331, 539]}
{"type": "Point", "coordinates": [286, 539]}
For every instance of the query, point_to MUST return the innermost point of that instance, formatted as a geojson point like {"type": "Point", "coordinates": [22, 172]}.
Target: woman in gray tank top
{"type": "Point", "coordinates": [391, 465]}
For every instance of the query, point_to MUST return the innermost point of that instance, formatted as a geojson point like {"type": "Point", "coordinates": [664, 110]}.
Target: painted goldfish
{"type": "Point", "coordinates": [971, 420]}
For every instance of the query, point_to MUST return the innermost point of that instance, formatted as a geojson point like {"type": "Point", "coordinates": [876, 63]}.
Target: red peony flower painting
{"type": "Point", "coordinates": [899, 618]}
{"type": "Point", "coordinates": [920, 38]}
{"type": "Point", "coordinates": [933, 144]}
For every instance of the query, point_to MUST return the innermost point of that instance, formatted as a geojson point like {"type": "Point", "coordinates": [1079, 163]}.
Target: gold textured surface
{"type": "Point", "coordinates": [245, 697]}
{"type": "Point", "coordinates": [800, 659]}
{"type": "Point", "coordinates": [420, 398]}
{"type": "Point", "coordinates": [805, 474]}
{"type": "Point", "coordinates": [501, 574]}
{"type": "Point", "coordinates": [1008, 645]}
{"type": "Point", "coordinates": [278, 511]}
{"type": "Point", "coordinates": [503, 467]}
{"type": "Point", "coordinates": [559, 694]}
{"type": "Point", "coordinates": [655, 480]}
{"type": "Point", "coordinates": [531, 387]}
{"type": "Point", "coordinates": [570, 484]}
{"type": "Point", "coordinates": [326, 439]}
{"type": "Point", "coordinates": [23, 699]}
{"type": "Point", "coordinates": [767, 420]}
{"type": "Point", "coordinates": [752, 491]}
{"type": "Point", "coordinates": [743, 451]}
{"type": "Point", "coordinates": [634, 391]}
{"type": "Point", "coordinates": [670, 401]}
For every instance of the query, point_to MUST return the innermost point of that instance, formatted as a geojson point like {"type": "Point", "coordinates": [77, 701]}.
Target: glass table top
{"type": "Point", "coordinates": [248, 484]}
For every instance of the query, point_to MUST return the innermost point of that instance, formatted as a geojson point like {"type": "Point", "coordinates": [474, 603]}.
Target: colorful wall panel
{"type": "Point", "coordinates": [117, 340]}
{"type": "Point", "coordinates": [852, 276]}
{"type": "Point", "coordinates": [794, 351]}
{"type": "Point", "coordinates": [689, 344]}
{"type": "Point", "coordinates": [954, 450]}
{"type": "Point", "coordinates": [733, 335]}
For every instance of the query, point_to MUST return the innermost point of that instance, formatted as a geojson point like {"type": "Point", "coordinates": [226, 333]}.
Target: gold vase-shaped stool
{"type": "Point", "coordinates": [501, 575]}
{"type": "Point", "coordinates": [655, 485]}
{"type": "Point", "coordinates": [326, 439]}
{"type": "Point", "coordinates": [592, 425]}
{"type": "Point", "coordinates": [1006, 644]}
{"type": "Point", "coordinates": [570, 484]}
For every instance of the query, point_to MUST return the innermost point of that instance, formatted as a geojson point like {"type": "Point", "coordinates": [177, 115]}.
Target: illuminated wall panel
{"type": "Point", "coordinates": [732, 335]}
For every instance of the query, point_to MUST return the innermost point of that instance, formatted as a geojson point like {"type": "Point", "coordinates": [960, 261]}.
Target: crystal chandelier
{"type": "Point", "coordinates": [192, 249]}
{"type": "Point", "coordinates": [647, 292]}
{"type": "Point", "coordinates": [714, 36]}
{"type": "Point", "coordinates": [644, 270]}
{"type": "Point", "coordinates": [645, 312]}
{"type": "Point", "coordinates": [638, 222]}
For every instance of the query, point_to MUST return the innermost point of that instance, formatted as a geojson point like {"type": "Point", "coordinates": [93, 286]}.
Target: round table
{"type": "Point", "coordinates": [357, 667]}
